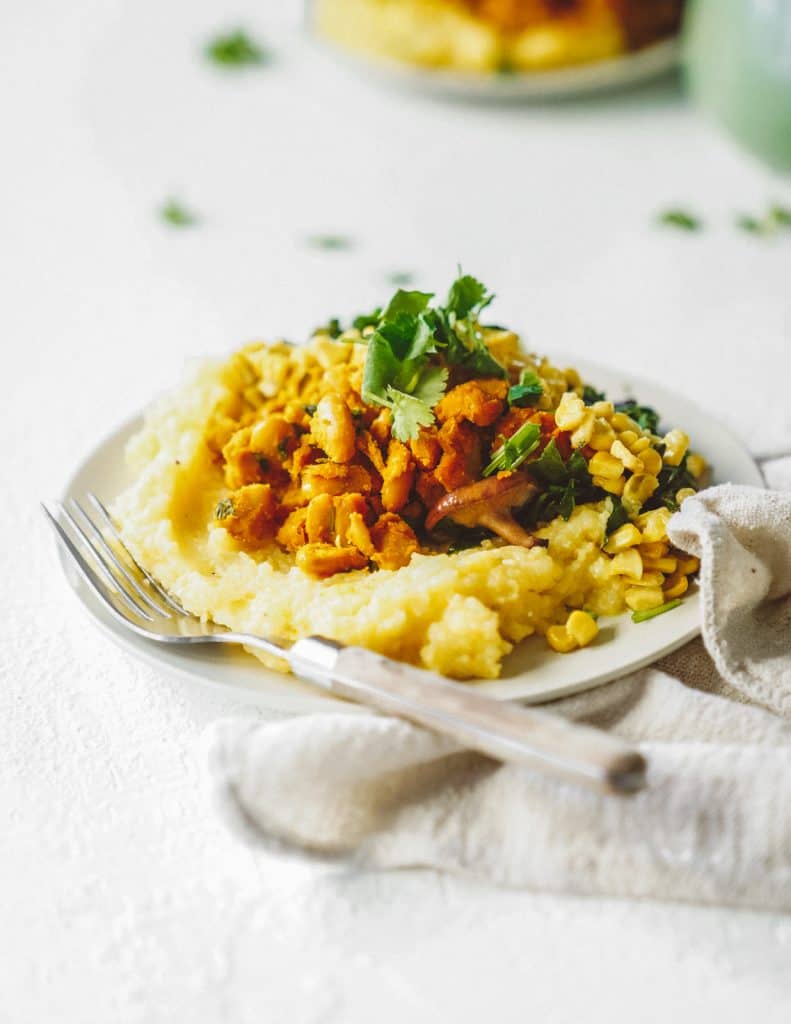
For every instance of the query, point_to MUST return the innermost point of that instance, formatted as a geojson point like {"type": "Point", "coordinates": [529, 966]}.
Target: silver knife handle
{"type": "Point", "coordinates": [503, 730]}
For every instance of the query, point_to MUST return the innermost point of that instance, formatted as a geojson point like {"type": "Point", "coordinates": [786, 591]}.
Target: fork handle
{"type": "Point", "coordinates": [503, 730]}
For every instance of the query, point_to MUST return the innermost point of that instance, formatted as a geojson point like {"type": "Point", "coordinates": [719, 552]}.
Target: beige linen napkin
{"type": "Point", "coordinates": [713, 824]}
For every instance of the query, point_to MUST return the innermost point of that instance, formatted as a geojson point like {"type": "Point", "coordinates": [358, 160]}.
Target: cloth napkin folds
{"type": "Point", "coordinates": [713, 824]}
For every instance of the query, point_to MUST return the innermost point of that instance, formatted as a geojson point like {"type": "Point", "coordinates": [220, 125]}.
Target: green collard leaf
{"type": "Point", "coordinates": [644, 415]}
{"type": "Point", "coordinates": [590, 395]}
{"type": "Point", "coordinates": [618, 516]}
{"type": "Point", "coordinates": [549, 467]}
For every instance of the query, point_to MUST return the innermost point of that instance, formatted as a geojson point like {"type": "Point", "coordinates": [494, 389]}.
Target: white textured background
{"type": "Point", "coordinates": [122, 898]}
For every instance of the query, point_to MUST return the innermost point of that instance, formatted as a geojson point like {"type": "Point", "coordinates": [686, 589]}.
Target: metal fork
{"type": "Point", "coordinates": [505, 731]}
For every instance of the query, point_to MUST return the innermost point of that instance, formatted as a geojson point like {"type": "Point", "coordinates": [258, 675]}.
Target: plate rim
{"type": "Point", "coordinates": [299, 697]}
{"type": "Point", "coordinates": [587, 78]}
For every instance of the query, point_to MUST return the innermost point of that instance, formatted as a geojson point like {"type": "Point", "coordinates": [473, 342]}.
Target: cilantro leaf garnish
{"type": "Point", "coordinates": [177, 215]}
{"type": "Point", "coordinates": [332, 328]}
{"type": "Point", "coordinates": [527, 390]}
{"type": "Point", "coordinates": [644, 415]}
{"type": "Point", "coordinates": [681, 219]}
{"type": "Point", "coordinates": [515, 449]}
{"type": "Point", "coordinates": [235, 50]}
{"type": "Point", "coordinates": [367, 319]}
{"type": "Point", "coordinates": [411, 343]}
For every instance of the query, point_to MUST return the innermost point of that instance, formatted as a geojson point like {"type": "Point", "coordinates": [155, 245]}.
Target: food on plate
{"type": "Point", "coordinates": [415, 483]}
{"type": "Point", "coordinates": [497, 35]}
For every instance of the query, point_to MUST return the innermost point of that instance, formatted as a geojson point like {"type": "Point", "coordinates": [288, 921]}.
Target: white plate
{"type": "Point", "coordinates": [532, 673]}
{"type": "Point", "coordinates": [616, 73]}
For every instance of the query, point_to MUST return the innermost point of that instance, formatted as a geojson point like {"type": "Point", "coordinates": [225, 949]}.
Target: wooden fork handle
{"type": "Point", "coordinates": [503, 730]}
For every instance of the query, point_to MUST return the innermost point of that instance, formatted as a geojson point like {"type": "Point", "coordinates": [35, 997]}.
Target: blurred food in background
{"type": "Point", "coordinates": [485, 36]}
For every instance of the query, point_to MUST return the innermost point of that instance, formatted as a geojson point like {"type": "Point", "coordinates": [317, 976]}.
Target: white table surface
{"type": "Point", "coordinates": [123, 897]}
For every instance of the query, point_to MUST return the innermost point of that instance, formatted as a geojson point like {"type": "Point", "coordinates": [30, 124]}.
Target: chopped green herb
{"type": "Point", "coordinates": [515, 449]}
{"type": "Point", "coordinates": [331, 243]}
{"type": "Point", "coordinates": [235, 50]}
{"type": "Point", "coordinates": [618, 516]}
{"type": "Point", "coordinates": [367, 319]}
{"type": "Point", "coordinates": [671, 480]}
{"type": "Point", "coordinates": [177, 215]}
{"type": "Point", "coordinates": [402, 370]}
{"type": "Point", "coordinates": [591, 395]}
{"type": "Point", "coordinates": [567, 483]}
{"type": "Point", "coordinates": [781, 215]}
{"type": "Point", "coordinates": [750, 224]}
{"type": "Point", "coordinates": [399, 278]}
{"type": "Point", "coordinates": [681, 219]}
{"type": "Point", "coordinates": [224, 509]}
{"type": "Point", "coordinates": [776, 218]}
{"type": "Point", "coordinates": [651, 613]}
{"type": "Point", "coordinates": [527, 391]}
{"type": "Point", "coordinates": [643, 415]}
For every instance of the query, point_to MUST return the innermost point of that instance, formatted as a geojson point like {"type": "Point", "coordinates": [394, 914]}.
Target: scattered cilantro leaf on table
{"type": "Point", "coordinates": [177, 215]}
{"type": "Point", "coordinates": [330, 243]}
{"type": "Point", "coordinates": [236, 49]}
{"type": "Point", "coordinates": [681, 219]}
{"type": "Point", "coordinates": [777, 218]}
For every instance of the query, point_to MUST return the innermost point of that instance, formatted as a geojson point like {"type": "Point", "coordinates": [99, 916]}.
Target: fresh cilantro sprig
{"type": "Point", "coordinates": [414, 343]}
{"type": "Point", "coordinates": [515, 449]}
{"type": "Point", "coordinates": [527, 391]}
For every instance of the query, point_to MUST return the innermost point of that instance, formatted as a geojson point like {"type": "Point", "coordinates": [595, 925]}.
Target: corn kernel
{"type": "Point", "coordinates": [628, 437]}
{"type": "Point", "coordinates": [648, 579]}
{"type": "Point", "coordinates": [667, 565]}
{"type": "Point", "coordinates": [684, 493]}
{"type": "Point", "coordinates": [624, 537]}
{"type": "Point", "coordinates": [627, 563]}
{"type": "Point", "coordinates": [696, 464]}
{"type": "Point", "coordinates": [675, 586]}
{"type": "Point", "coordinates": [637, 491]}
{"type": "Point", "coordinates": [606, 465]}
{"type": "Point", "coordinates": [640, 445]}
{"type": "Point", "coordinates": [604, 409]}
{"type": "Point", "coordinates": [570, 411]}
{"type": "Point", "coordinates": [582, 628]}
{"type": "Point", "coordinates": [584, 431]}
{"type": "Point", "coordinates": [642, 599]}
{"type": "Point", "coordinates": [559, 640]}
{"type": "Point", "coordinates": [656, 549]}
{"type": "Point", "coordinates": [631, 462]}
{"type": "Point", "coordinates": [609, 485]}
{"type": "Point", "coordinates": [572, 377]}
{"type": "Point", "coordinates": [621, 421]}
{"type": "Point", "coordinates": [688, 564]}
{"type": "Point", "coordinates": [651, 460]}
{"type": "Point", "coordinates": [676, 444]}
{"type": "Point", "coordinates": [653, 525]}
{"type": "Point", "coordinates": [603, 435]}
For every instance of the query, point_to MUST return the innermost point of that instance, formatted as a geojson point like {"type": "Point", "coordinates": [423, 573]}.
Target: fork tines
{"type": "Point", "coordinates": [91, 538]}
